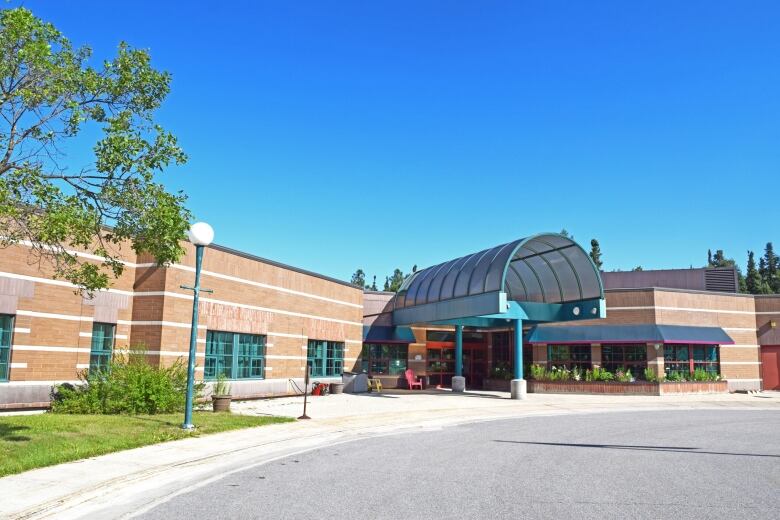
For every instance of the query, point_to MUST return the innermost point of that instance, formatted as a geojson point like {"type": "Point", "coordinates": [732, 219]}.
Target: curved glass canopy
{"type": "Point", "coordinates": [544, 268]}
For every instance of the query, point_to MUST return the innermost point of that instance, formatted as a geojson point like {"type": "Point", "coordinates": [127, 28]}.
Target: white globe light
{"type": "Point", "coordinates": [201, 234]}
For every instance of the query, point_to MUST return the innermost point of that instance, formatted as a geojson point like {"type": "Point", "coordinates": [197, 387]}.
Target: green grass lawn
{"type": "Point", "coordinates": [34, 441]}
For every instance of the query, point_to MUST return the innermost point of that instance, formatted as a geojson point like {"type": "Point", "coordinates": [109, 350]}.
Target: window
{"type": "Point", "coordinates": [684, 359]}
{"type": "Point", "coordinates": [6, 329]}
{"type": "Point", "coordinates": [569, 356]}
{"type": "Point", "coordinates": [325, 358]}
{"type": "Point", "coordinates": [632, 357]}
{"type": "Point", "coordinates": [384, 359]}
{"type": "Point", "coordinates": [237, 356]}
{"type": "Point", "coordinates": [102, 346]}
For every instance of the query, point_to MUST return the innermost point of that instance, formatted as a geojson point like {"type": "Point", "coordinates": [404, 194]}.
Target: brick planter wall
{"type": "Point", "coordinates": [709, 387]}
{"type": "Point", "coordinates": [639, 388]}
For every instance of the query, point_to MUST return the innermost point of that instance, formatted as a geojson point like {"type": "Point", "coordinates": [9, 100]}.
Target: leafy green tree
{"type": "Point", "coordinates": [359, 279]}
{"type": "Point", "coordinates": [595, 253]}
{"type": "Point", "coordinates": [49, 95]}
{"type": "Point", "coordinates": [637, 268]}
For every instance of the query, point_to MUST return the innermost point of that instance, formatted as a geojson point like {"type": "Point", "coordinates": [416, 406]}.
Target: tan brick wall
{"type": "Point", "coordinates": [250, 295]}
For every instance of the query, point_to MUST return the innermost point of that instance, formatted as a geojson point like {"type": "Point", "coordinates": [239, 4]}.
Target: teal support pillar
{"type": "Point", "coordinates": [518, 349]}
{"type": "Point", "coordinates": [518, 384]}
{"type": "Point", "coordinates": [459, 350]}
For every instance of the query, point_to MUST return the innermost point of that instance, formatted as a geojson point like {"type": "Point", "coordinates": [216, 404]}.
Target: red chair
{"type": "Point", "coordinates": [412, 381]}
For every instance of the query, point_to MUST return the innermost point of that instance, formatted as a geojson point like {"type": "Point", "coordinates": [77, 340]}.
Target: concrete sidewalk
{"type": "Point", "coordinates": [121, 484]}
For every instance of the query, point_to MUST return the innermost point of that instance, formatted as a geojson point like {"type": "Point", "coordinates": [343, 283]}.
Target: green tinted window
{"type": "Point", "coordinates": [102, 346]}
{"type": "Point", "coordinates": [237, 356]}
{"type": "Point", "coordinates": [325, 358]}
{"type": "Point", "coordinates": [6, 330]}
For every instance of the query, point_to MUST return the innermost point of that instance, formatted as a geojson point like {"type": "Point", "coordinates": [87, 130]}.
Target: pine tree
{"type": "Point", "coordinates": [595, 253]}
{"type": "Point", "coordinates": [709, 258]}
{"type": "Point", "coordinates": [753, 279]}
{"type": "Point", "coordinates": [373, 285]}
{"type": "Point", "coordinates": [772, 275]}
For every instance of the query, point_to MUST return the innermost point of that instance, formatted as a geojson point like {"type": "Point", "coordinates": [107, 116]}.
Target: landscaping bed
{"type": "Point", "coordinates": [34, 441]}
{"type": "Point", "coordinates": [636, 388]}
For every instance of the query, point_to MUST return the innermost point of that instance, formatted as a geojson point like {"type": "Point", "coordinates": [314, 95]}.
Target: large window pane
{"type": "Point", "coordinates": [236, 356]}
{"type": "Point", "coordinates": [6, 329]}
{"type": "Point", "coordinates": [325, 358]}
{"type": "Point", "coordinates": [385, 359]}
{"type": "Point", "coordinates": [102, 346]}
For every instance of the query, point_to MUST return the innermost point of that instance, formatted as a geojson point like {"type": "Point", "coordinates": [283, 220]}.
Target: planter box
{"type": "Point", "coordinates": [638, 388]}
{"type": "Point", "coordinates": [705, 387]}
{"type": "Point", "coordinates": [495, 385]}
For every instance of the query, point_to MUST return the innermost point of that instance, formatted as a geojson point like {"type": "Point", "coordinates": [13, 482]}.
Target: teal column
{"type": "Point", "coordinates": [518, 349]}
{"type": "Point", "coordinates": [458, 350]}
{"type": "Point", "coordinates": [193, 342]}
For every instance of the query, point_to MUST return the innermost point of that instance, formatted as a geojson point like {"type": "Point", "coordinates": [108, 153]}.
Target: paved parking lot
{"type": "Point", "coordinates": [671, 464]}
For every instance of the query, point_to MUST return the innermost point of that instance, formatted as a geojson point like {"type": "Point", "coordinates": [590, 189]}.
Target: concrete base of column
{"type": "Point", "coordinates": [458, 384]}
{"type": "Point", "coordinates": [518, 388]}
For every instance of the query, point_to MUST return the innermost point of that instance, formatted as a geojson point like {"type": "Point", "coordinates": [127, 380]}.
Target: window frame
{"type": "Point", "coordinates": [636, 366]}
{"type": "Point", "coordinates": [325, 358]}
{"type": "Point", "coordinates": [5, 349]}
{"type": "Point", "coordinates": [574, 357]}
{"type": "Point", "coordinates": [368, 359]}
{"type": "Point", "coordinates": [100, 358]}
{"type": "Point", "coordinates": [239, 360]}
{"type": "Point", "coordinates": [690, 364]}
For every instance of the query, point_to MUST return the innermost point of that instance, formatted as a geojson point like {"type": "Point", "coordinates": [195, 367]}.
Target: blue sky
{"type": "Point", "coordinates": [337, 135]}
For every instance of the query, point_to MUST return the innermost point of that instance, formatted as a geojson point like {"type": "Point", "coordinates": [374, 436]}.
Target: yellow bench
{"type": "Point", "coordinates": [374, 384]}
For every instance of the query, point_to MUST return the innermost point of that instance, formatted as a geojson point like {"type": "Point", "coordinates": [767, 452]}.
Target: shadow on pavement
{"type": "Point", "coordinates": [677, 449]}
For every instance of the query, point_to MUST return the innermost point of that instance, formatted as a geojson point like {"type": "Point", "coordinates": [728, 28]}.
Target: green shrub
{"type": "Point", "coordinates": [699, 374]}
{"type": "Point", "coordinates": [650, 375]}
{"type": "Point", "coordinates": [623, 375]}
{"type": "Point", "coordinates": [221, 386]}
{"type": "Point", "coordinates": [675, 376]}
{"type": "Point", "coordinates": [131, 385]}
{"type": "Point", "coordinates": [538, 372]}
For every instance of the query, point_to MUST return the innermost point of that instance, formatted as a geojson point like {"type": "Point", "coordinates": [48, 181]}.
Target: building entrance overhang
{"type": "Point", "coordinates": [539, 279]}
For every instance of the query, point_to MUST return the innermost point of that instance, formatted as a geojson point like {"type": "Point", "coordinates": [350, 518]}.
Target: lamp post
{"type": "Point", "coordinates": [201, 235]}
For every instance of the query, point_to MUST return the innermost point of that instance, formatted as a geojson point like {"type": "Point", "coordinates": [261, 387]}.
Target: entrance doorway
{"type": "Point", "coordinates": [770, 366]}
{"type": "Point", "coordinates": [440, 365]}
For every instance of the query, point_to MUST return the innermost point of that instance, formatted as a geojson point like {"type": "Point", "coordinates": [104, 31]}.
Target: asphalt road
{"type": "Point", "coordinates": [677, 464]}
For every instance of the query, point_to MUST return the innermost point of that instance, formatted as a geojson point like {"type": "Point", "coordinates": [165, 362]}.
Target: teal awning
{"type": "Point", "coordinates": [381, 334]}
{"type": "Point", "coordinates": [640, 333]}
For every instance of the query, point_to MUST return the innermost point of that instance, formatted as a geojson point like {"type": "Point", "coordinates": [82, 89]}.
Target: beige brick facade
{"type": "Point", "coordinates": [53, 324]}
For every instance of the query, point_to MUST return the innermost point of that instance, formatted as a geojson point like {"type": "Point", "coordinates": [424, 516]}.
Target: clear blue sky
{"type": "Point", "coordinates": [337, 135]}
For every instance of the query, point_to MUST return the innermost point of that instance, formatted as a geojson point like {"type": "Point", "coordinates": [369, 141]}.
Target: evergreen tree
{"type": "Point", "coordinates": [359, 279]}
{"type": "Point", "coordinates": [753, 280]}
{"type": "Point", "coordinates": [709, 258]}
{"type": "Point", "coordinates": [771, 275]}
{"type": "Point", "coordinates": [595, 253]}
{"type": "Point", "coordinates": [395, 281]}
{"type": "Point", "coordinates": [373, 285]}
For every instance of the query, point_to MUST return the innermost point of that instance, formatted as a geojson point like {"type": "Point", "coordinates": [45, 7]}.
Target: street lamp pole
{"type": "Point", "coordinates": [201, 235]}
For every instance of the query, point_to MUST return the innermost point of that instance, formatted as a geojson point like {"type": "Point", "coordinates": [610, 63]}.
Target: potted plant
{"type": "Point", "coordinates": [220, 394]}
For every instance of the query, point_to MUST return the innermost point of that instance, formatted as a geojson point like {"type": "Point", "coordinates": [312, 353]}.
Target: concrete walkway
{"type": "Point", "coordinates": [122, 484]}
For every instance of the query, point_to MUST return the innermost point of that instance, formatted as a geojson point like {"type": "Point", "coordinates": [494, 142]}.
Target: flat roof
{"type": "Point", "coordinates": [256, 258]}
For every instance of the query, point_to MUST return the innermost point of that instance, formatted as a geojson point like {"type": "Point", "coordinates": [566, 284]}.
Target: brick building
{"type": "Point", "coordinates": [265, 322]}
{"type": "Point", "coordinates": [260, 325]}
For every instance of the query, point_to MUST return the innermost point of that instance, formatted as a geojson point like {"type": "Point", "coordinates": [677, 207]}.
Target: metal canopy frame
{"type": "Point", "coordinates": [541, 278]}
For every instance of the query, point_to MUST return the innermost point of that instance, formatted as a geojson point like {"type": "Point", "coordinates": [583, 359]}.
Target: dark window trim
{"type": "Point", "coordinates": [5, 350]}
{"type": "Point", "coordinates": [235, 356]}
